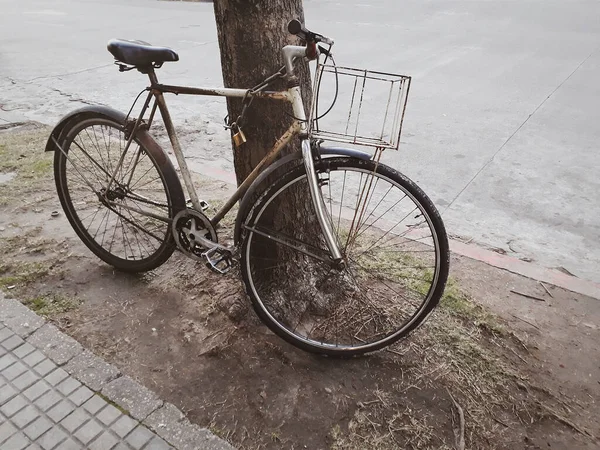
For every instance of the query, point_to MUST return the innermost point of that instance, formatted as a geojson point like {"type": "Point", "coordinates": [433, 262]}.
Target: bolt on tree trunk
{"type": "Point", "coordinates": [251, 35]}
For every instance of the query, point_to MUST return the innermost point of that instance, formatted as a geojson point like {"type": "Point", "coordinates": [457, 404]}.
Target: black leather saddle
{"type": "Point", "coordinates": [139, 53]}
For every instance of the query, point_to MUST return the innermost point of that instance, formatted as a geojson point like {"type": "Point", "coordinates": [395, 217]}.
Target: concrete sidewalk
{"type": "Point", "coordinates": [56, 395]}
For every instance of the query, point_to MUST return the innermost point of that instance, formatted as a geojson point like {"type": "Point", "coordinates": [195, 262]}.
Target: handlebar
{"type": "Point", "coordinates": [296, 28]}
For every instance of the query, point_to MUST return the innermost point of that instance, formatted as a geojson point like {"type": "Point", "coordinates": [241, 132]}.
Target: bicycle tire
{"type": "Point", "coordinates": [280, 288]}
{"type": "Point", "coordinates": [139, 242]}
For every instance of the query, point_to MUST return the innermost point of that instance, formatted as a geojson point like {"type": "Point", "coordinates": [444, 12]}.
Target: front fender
{"type": "Point", "coordinates": [63, 125]}
{"type": "Point", "coordinates": [250, 195]}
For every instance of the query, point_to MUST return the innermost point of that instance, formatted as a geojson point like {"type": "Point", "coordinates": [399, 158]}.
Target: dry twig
{"type": "Point", "coordinates": [526, 321]}
{"type": "Point", "coordinates": [546, 289]}
{"type": "Point", "coordinates": [539, 299]}
{"type": "Point", "coordinates": [460, 435]}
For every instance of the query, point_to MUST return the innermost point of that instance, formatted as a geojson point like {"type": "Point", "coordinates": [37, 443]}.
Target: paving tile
{"type": "Point", "coordinates": [52, 438]}
{"type": "Point", "coordinates": [6, 361]}
{"type": "Point", "coordinates": [95, 404]}
{"type": "Point", "coordinates": [68, 385]}
{"type": "Point", "coordinates": [138, 437]}
{"type": "Point", "coordinates": [12, 342]}
{"type": "Point", "coordinates": [13, 371]}
{"type": "Point", "coordinates": [25, 380]}
{"type": "Point", "coordinates": [45, 367]}
{"type": "Point", "coordinates": [17, 442]}
{"type": "Point", "coordinates": [70, 444]}
{"type": "Point", "coordinates": [33, 447]}
{"type": "Point", "coordinates": [88, 432]}
{"type": "Point", "coordinates": [122, 446]}
{"type": "Point", "coordinates": [6, 393]}
{"type": "Point", "coordinates": [23, 350]}
{"type": "Point", "coordinates": [25, 416]}
{"type": "Point", "coordinates": [37, 390]}
{"type": "Point", "coordinates": [81, 395]}
{"type": "Point", "coordinates": [48, 400]}
{"type": "Point", "coordinates": [37, 428]}
{"type": "Point", "coordinates": [5, 333]}
{"type": "Point", "coordinates": [34, 358]}
{"type": "Point", "coordinates": [56, 377]}
{"type": "Point", "coordinates": [7, 429]}
{"type": "Point", "coordinates": [157, 444]}
{"type": "Point", "coordinates": [124, 425]}
{"type": "Point", "coordinates": [108, 415]}
{"type": "Point", "coordinates": [60, 411]}
{"type": "Point", "coordinates": [106, 441]}
{"type": "Point", "coordinates": [13, 406]}
{"type": "Point", "coordinates": [75, 420]}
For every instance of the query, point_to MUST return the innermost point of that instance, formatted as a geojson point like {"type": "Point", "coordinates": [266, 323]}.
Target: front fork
{"type": "Point", "coordinates": [318, 203]}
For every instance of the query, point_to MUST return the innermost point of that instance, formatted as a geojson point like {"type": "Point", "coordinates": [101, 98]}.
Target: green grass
{"type": "Point", "coordinates": [19, 273]}
{"type": "Point", "coordinates": [52, 304]}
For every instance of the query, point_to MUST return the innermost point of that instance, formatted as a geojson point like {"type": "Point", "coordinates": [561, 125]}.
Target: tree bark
{"type": "Point", "coordinates": [251, 35]}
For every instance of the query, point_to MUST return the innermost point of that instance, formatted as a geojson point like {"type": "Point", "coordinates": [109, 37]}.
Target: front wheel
{"type": "Point", "coordinates": [395, 258]}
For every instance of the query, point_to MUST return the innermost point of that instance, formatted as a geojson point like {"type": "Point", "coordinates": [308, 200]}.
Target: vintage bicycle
{"type": "Point", "coordinates": [359, 263]}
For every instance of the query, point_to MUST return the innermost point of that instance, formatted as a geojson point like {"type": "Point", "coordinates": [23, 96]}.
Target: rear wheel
{"type": "Point", "coordinates": [395, 251]}
{"type": "Point", "coordinates": [126, 222]}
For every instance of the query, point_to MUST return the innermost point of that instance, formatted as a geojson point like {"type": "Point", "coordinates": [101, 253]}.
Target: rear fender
{"type": "Point", "coordinates": [60, 131]}
{"type": "Point", "coordinates": [64, 124]}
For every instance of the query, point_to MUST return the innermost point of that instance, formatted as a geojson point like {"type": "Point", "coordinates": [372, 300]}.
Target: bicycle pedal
{"type": "Point", "coordinates": [218, 260]}
{"type": "Point", "coordinates": [203, 204]}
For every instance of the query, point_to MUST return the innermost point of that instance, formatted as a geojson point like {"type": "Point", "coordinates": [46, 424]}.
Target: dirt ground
{"type": "Point", "coordinates": [524, 373]}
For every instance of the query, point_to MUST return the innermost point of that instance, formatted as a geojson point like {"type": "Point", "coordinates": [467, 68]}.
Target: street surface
{"type": "Point", "coordinates": [502, 125]}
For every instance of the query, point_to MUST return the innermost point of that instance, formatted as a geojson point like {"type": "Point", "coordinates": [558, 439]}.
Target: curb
{"type": "Point", "coordinates": [104, 379]}
{"type": "Point", "coordinates": [526, 269]}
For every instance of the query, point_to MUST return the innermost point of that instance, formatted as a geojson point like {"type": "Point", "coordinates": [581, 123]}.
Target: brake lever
{"type": "Point", "coordinates": [323, 50]}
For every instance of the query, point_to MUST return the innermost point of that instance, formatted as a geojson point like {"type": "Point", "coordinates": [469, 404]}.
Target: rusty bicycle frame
{"type": "Point", "coordinates": [298, 128]}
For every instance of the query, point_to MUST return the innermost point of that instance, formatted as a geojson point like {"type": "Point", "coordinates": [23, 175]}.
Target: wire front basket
{"type": "Point", "coordinates": [357, 106]}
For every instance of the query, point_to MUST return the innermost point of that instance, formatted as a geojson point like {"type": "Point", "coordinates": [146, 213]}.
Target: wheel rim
{"type": "Point", "coordinates": [117, 220]}
{"type": "Point", "coordinates": [360, 308]}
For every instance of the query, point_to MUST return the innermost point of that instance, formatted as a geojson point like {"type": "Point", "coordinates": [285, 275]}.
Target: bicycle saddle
{"type": "Point", "coordinates": [140, 53]}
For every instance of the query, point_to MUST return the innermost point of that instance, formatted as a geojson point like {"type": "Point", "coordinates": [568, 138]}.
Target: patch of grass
{"type": "Point", "coordinates": [22, 151]}
{"type": "Point", "coordinates": [19, 273]}
{"type": "Point", "coordinates": [52, 304]}
{"type": "Point", "coordinates": [458, 304]}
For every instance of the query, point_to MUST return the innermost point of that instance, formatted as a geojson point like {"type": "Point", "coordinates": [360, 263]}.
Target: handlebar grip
{"type": "Point", "coordinates": [295, 27]}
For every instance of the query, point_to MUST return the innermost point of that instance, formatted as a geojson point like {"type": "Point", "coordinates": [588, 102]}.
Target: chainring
{"type": "Point", "coordinates": [188, 224]}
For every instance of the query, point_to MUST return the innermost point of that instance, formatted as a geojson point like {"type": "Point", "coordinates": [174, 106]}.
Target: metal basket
{"type": "Point", "coordinates": [368, 107]}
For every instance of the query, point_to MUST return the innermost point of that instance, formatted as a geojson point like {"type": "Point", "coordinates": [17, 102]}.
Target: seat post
{"type": "Point", "coordinates": [152, 75]}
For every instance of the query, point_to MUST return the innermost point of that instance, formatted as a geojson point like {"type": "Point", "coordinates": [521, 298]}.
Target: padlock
{"type": "Point", "coordinates": [239, 138]}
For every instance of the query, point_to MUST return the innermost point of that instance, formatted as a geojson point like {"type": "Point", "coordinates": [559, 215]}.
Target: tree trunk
{"type": "Point", "coordinates": [251, 35]}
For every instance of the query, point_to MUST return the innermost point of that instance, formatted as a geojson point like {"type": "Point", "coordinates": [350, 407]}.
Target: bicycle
{"type": "Point", "coordinates": [365, 268]}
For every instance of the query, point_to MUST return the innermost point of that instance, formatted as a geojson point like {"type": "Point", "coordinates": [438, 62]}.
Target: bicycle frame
{"type": "Point", "coordinates": [298, 128]}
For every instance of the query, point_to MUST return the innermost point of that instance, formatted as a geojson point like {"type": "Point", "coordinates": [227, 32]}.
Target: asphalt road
{"type": "Point", "coordinates": [502, 126]}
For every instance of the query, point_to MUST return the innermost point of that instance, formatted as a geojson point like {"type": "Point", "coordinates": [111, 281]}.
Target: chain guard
{"type": "Point", "coordinates": [188, 224]}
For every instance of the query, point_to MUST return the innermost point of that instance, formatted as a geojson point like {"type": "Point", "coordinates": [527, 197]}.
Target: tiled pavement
{"type": "Point", "coordinates": [55, 395]}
